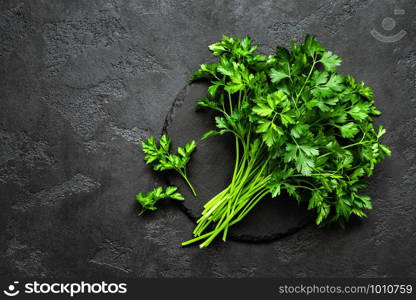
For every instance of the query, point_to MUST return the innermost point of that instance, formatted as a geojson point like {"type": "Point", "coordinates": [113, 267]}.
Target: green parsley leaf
{"type": "Point", "coordinates": [277, 75]}
{"type": "Point", "coordinates": [349, 130]}
{"type": "Point", "coordinates": [330, 61]}
{"type": "Point", "coordinates": [161, 159]}
{"type": "Point", "coordinates": [149, 200]}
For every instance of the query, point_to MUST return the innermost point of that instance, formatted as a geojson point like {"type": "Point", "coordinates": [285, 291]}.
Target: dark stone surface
{"type": "Point", "coordinates": [83, 82]}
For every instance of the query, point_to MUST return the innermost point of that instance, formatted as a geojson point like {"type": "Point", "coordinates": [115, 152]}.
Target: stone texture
{"type": "Point", "coordinates": [83, 82]}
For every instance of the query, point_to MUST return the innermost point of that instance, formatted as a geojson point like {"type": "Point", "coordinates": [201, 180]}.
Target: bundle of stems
{"type": "Point", "coordinates": [248, 186]}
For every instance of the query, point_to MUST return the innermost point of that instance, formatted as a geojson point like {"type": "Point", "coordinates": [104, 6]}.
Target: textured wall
{"type": "Point", "coordinates": [83, 82]}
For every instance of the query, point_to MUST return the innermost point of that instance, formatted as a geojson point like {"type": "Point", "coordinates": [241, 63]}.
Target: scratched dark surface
{"type": "Point", "coordinates": [83, 82]}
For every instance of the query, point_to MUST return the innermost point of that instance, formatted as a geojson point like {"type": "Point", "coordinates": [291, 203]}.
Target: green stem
{"type": "Point", "coordinates": [231, 205]}
{"type": "Point", "coordinates": [237, 154]}
{"type": "Point", "coordinates": [183, 174]}
{"type": "Point", "coordinates": [355, 144]}
{"type": "Point", "coordinates": [250, 207]}
{"type": "Point", "coordinates": [246, 205]}
{"type": "Point", "coordinates": [306, 80]}
{"type": "Point", "coordinates": [230, 103]}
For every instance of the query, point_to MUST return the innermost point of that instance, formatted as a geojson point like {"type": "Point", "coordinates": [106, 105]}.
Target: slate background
{"type": "Point", "coordinates": [83, 82]}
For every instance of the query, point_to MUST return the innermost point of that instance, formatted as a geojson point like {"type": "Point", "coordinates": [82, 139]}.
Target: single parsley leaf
{"type": "Point", "coordinates": [149, 200]}
{"type": "Point", "coordinates": [349, 130]}
{"type": "Point", "coordinates": [277, 75]}
{"type": "Point", "coordinates": [330, 61]}
{"type": "Point", "coordinates": [263, 109]}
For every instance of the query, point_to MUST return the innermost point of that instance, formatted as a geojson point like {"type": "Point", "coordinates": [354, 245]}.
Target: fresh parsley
{"type": "Point", "coordinates": [148, 201]}
{"type": "Point", "coordinates": [298, 126]}
{"type": "Point", "coordinates": [161, 159]}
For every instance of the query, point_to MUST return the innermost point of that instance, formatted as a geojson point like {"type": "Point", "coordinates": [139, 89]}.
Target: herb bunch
{"type": "Point", "coordinates": [298, 126]}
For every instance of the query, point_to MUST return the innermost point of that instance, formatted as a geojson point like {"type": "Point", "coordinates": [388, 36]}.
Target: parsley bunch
{"type": "Point", "coordinates": [299, 127]}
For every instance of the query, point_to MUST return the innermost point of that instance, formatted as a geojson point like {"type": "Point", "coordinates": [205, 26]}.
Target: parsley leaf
{"type": "Point", "coordinates": [330, 61]}
{"type": "Point", "coordinates": [149, 200]}
{"type": "Point", "coordinates": [349, 130]}
{"type": "Point", "coordinates": [278, 75]}
{"type": "Point", "coordinates": [161, 159]}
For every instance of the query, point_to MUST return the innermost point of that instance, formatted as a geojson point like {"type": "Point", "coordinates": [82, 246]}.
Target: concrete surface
{"type": "Point", "coordinates": [83, 82]}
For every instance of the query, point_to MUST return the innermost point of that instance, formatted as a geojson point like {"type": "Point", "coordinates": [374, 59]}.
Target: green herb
{"type": "Point", "coordinates": [148, 201]}
{"type": "Point", "coordinates": [161, 160]}
{"type": "Point", "coordinates": [299, 127]}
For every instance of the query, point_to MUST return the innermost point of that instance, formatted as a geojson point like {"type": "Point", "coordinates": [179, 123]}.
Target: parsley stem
{"type": "Point", "coordinates": [251, 206]}
{"type": "Point", "coordinates": [355, 144]}
{"type": "Point", "coordinates": [306, 80]}
{"type": "Point", "coordinates": [234, 202]}
{"type": "Point", "coordinates": [315, 174]}
{"type": "Point", "coordinates": [290, 75]}
{"type": "Point", "coordinates": [230, 103]}
{"type": "Point", "coordinates": [303, 187]}
{"type": "Point", "coordinates": [198, 238]}
{"type": "Point", "coordinates": [183, 174]}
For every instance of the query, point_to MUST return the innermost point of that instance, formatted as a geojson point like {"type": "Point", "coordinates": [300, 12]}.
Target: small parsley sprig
{"type": "Point", "coordinates": [148, 200]}
{"type": "Point", "coordinates": [161, 159]}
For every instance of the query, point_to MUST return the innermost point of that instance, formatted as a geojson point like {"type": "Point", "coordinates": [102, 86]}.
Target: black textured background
{"type": "Point", "coordinates": [83, 82]}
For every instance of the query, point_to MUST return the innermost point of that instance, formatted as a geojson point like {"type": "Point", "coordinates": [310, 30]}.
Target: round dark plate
{"type": "Point", "coordinates": [210, 172]}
